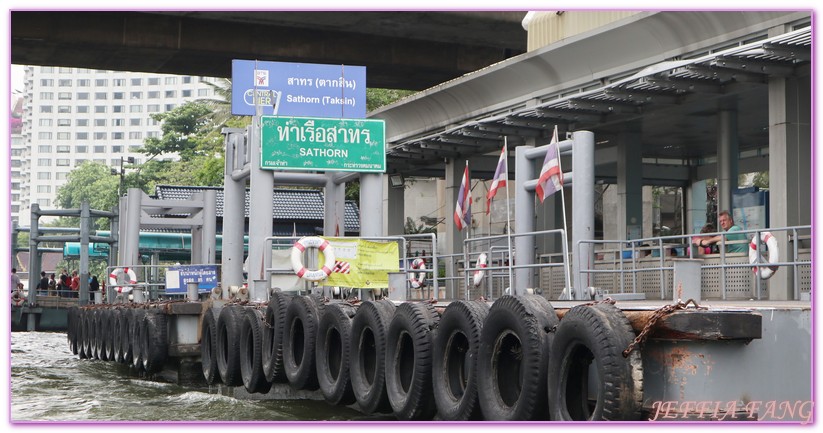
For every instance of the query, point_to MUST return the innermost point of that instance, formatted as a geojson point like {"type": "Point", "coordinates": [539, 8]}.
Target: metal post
{"type": "Point", "coordinates": [192, 293]}
{"type": "Point", "coordinates": [334, 207]}
{"type": "Point", "coordinates": [260, 215]}
{"type": "Point", "coordinates": [523, 220]}
{"type": "Point", "coordinates": [209, 229]}
{"type": "Point", "coordinates": [234, 216]}
{"type": "Point", "coordinates": [34, 263]}
{"type": "Point", "coordinates": [371, 204]}
{"type": "Point", "coordinates": [131, 246]}
{"type": "Point", "coordinates": [85, 222]}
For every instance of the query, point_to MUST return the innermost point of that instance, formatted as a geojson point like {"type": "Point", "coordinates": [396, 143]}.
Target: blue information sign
{"type": "Point", "coordinates": [298, 89]}
{"type": "Point", "coordinates": [178, 278]}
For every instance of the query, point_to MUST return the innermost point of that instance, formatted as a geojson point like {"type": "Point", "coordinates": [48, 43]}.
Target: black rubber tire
{"type": "Point", "coordinates": [97, 331]}
{"type": "Point", "coordinates": [251, 347]}
{"type": "Point", "coordinates": [594, 337]}
{"type": "Point", "coordinates": [208, 346]}
{"type": "Point", "coordinates": [106, 340]}
{"type": "Point", "coordinates": [228, 345]}
{"type": "Point", "coordinates": [272, 353]}
{"type": "Point", "coordinates": [137, 330]}
{"type": "Point", "coordinates": [367, 365]}
{"type": "Point", "coordinates": [71, 329]}
{"type": "Point", "coordinates": [333, 353]}
{"type": "Point", "coordinates": [454, 368]}
{"type": "Point", "coordinates": [117, 334]}
{"type": "Point", "coordinates": [125, 335]}
{"type": "Point", "coordinates": [299, 341]}
{"type": "Point", "coordinates": [154, 346]}
{"type": "Point", "coordinates": [513, 359]}
{"type": "Point", "coordinates": [80, 329]}
{"type": "Point", "coordinates": [409, 361]}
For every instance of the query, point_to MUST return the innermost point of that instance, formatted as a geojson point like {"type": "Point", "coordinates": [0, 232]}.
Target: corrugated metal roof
{"type": "Point", "coordinates": [287, 204]}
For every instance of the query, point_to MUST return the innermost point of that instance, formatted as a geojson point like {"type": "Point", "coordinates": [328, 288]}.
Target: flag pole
{"type": "Point", "coordinates": [468, 228]}
{"type": "Point", "coordinates": [565, 225]}
{"type": "Point", "coordinates": [508, 211]}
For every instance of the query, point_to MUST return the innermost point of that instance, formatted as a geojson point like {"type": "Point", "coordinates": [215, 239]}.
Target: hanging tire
{"type": "Point", "coordinates": [299, 337]}
{"type": "Point", "coordinates": [71, 329]}
{"type": "Point", "coordinates": [208, 345]}
{"type": "Point", "coordinates": [107, 325]}
{"type": "Point", "coordinates": [367, 365]}
{"type": "Point", "coordinates": [80, 326]}
{"type": "Point", "coordinates": [333, 353]}
{"type": "Point", "coordinates": [228, 345]}
{"type": "Point", "coordinates": [454, 367]}
{"type": "Point", "coordinates": [125, 335]}
{"type": "Point", "coordinates": [594, 337]}
{"type": "Point", "coordinates": [272, 353]}
{"type": "Point", "coordinates": [136, 331]}
{"type": "Point", "coordinates": [251, 344]}
{"type": "Point", "coordinates": [154, 346]}
{"type": "Point", "coordinates": [117, 335]}
{"type": "Point", "coordinates": [513, 357]}
{"type": "Point", "coordinates": [409, 361]}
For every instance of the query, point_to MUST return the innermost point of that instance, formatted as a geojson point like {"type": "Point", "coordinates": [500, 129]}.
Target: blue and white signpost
{"type": "Point", "coordinates": [304, 89]}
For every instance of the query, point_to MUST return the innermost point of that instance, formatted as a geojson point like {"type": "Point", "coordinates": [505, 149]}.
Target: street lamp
{"type": "Point", "coordinates": [122, 172]}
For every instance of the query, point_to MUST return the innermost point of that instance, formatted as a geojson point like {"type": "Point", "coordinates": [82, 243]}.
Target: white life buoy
{"type": "Point", "coordinates": [480, 273]}
{"type": "Point", "coordinates": [17, 299]}
{"type": "Point", "coordinates": [765, 272]}
{"type": "Point", "coordinates": [114, 276]}
{"type": "Point", "coordinates": [419, 280]}
{"type": "Point", "coordinates": [297, 257]}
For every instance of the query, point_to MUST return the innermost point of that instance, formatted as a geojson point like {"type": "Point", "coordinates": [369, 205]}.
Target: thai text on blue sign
{"type": "Point", "coordinates": [300, 143]}
{"type": "Point", "coordinates": [178, 278]}
{"type": "Point", "coordinates": [335, 91]}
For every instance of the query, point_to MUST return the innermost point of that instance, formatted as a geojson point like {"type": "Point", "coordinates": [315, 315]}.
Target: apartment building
{"type": "Point", "coordinates": [73, 115]}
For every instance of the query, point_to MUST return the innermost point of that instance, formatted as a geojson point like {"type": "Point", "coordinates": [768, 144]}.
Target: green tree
{"type": "Point", "coordinates": [376, 98]}
{"type": "Point", "coordinates": [92, 182]}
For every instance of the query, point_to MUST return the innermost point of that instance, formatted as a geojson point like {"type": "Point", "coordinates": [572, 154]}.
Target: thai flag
{"type": "Point", "coordinates": [551, 177]}
{"type": "Point", "coordinates": [463, 209]}
{"type": "Point", "coordinates": [500, 177]}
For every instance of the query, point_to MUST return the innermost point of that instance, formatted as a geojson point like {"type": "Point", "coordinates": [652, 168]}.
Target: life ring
{"type": "Point", "coordinates": [765, 272]}
{"type": "Point", "coordinates": [418, 280]}
{"type": "Point", "coordinates": [480, 273]}
{"type": "Point", "coordinates": [17, 299]}
{"type": "Point", "coordinates": [113, 276]}
{"type": "Point", "coordinates": [297, 256]}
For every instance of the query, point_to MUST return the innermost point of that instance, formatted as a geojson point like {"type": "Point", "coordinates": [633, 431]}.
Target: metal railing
{"type": "Point", "coordinates": [659, 246]}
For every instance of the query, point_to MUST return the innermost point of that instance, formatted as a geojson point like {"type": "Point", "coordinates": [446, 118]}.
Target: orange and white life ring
{"type": "Point", "coordinates": [418, 280]}
{"type": "Point", "coordinates": [17, 299]}
{"type": "Point", "coordinates": [765, 272]}
{"type": "Point", "coordinates": [297, 257]}
{"type": "Point", "coordinates": [480, 273]}
{"type": "Point", "coordinates": [131, 278]}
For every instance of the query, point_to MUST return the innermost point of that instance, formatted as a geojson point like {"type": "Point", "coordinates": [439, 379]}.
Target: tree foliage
{"type": "Point", "coordinates": [376, 98]}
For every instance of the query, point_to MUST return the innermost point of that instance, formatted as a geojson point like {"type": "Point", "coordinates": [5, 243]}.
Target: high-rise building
{"type": "Point", "coordinates": [72, 115]}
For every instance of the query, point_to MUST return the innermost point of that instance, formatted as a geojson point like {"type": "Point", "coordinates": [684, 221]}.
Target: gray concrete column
{"type": "Point", "coordinates": [583, 208]}
{"type": "Point", "coordinates": [209, 229]}
{"type": "Point", "coordinates": [454, 238]}
{"type": "Point", "coordinates": [371, 204]}
{"type": "Point", "coordinates": [131, 238]}
{"type": "Point", "coordinates": [790, 165]}
{"type": "Point", "coordinates": [395, 209]}
{"type": "Point", "coordinates": [630, 186]}
{"type": "Point", "coordinates": [727, 158]}
{"type": "Point", "coordinates": [234, 219]}
{"type": "Point", "coordinates": [85, 225]}
{"type": "Point", "coordinates": [196, 253]}
{"type": "Point", "coordinates": [524, 220]}
{"type": "Point", "coordinates": [335, 207]}
{"type": "Point", "coordinates": [260, 215]}
{"type": "Point", "coordinates": [34, 260]}
{"type": "Point", "coordinates": [695, 197]}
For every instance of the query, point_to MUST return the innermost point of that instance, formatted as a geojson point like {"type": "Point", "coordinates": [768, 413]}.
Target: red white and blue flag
{"type": "Point", "coordinates": [463, 208]}
{"type": "Point", "coordinates": [551, 177]}
{"type": "Point", "coordinates": [501, 174]}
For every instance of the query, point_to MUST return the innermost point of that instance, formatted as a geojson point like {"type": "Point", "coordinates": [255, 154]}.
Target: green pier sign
{"type": "Point", "coordinates": [303, 143]}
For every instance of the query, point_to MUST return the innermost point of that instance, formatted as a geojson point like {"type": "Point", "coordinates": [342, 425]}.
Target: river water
{"type": "Point", "coordinates": [48, 383]}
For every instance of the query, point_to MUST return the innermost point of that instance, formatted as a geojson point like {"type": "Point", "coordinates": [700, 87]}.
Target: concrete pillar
{"type": "Point", "coordinates": [335, 207]}
{"type": "Point", "coordinates": [85, 224]}
{"type": "Point", "coordinates": [34, 262]}
{"type": "Point", "coordinates": [196, 253]}
{"type": "Point", "coordinates": [790, 165]}
{"type": "Point", "coordinates": [727, 158]}
{"type": "Point", "coordinates": [234, 218]}
{"type": "Point", "coordinates": [131, 237]}
{"type": "Point", "coordinates": [524, 220]}
{"type": "Point", "coordinates": [260, 215]}
{"type": "Point", "coordinates": [695, 197]}
{"type": "Point", "coordinates": [630, 186]}
{"type": "Point", "coordinates": [583, 208]}
{"type": "Point", "coordinates": [371, 204]}
{"type": "Point", "coordinates": [395, 209]}
{"type": "Point", "coordinates": [209, 233]}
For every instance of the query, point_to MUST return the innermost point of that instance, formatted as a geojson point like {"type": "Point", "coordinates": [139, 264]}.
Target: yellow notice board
{"type": "Point", "coordinates": [363, 264]}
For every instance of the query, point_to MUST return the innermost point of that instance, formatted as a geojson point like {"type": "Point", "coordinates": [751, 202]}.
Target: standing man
{"type": "Point", "coordinates": [727, 224]}
{"type": "Point", "coordinates": [75, 284]}
{"type": "Point", "coordinates": [43, 285]}
{"type": "Point", "coordinates": [16, 284]}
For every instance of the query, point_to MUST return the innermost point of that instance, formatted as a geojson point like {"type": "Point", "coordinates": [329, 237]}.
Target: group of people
{"type": "Point", "coordinates": [65, 286]}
